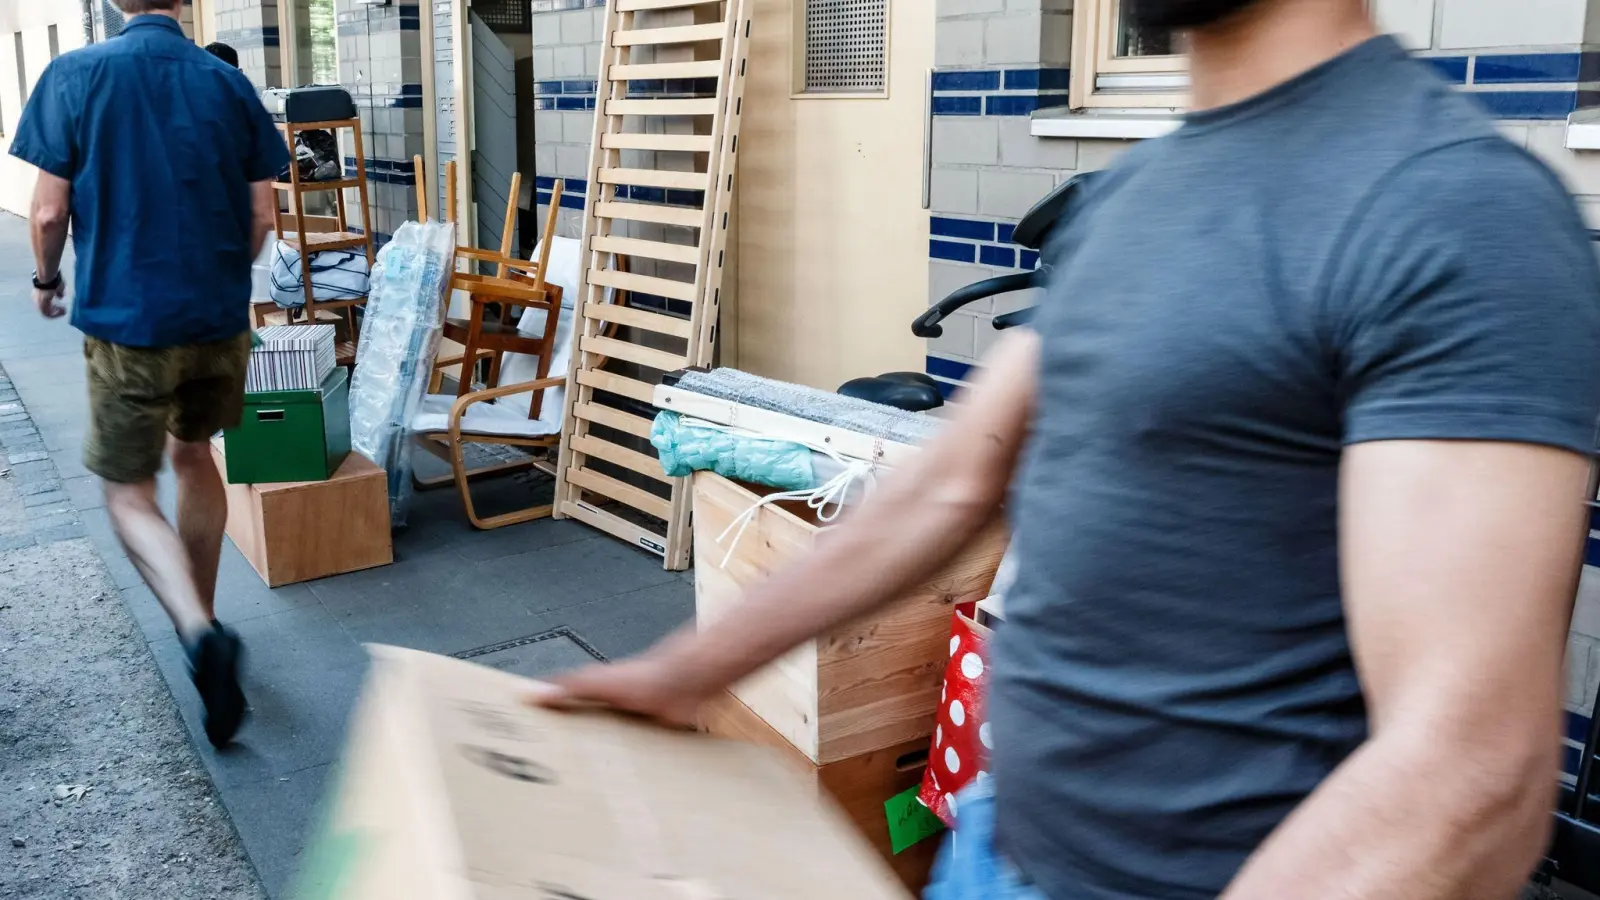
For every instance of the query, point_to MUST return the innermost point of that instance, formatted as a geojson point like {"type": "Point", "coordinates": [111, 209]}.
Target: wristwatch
{"type": "Point", "coordinates": [50, 285]}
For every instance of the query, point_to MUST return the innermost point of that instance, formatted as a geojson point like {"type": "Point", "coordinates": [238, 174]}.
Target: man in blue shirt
{"type": "Point", "coordinates": [161, 158]}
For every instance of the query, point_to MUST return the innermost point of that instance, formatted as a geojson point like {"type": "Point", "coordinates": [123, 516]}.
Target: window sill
{"type": "Point", "coordinates": [1583, 130]}
{"type": "Point", "coordinates": [1106, 126]}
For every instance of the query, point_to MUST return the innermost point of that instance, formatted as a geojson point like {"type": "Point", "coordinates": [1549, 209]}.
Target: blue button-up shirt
{"type": "Point", "coordinates": [161, 141]}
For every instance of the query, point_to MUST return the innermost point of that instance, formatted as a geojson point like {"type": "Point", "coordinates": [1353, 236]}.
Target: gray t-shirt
{"type": "Point", "coordinates": [1354, 256]}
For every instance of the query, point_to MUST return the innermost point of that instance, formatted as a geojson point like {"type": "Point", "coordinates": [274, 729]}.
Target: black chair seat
{"type": "Point", "coordinates": [910, 391]}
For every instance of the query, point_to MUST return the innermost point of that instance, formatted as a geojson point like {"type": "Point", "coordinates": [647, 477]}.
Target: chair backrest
{"type": "Point", "coordinates": [564, 270]}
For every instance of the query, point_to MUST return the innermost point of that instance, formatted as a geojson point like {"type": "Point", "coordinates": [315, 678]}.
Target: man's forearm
{"type": "Point", "coordinates": [49, 243]}
{"type": "Point", "coordinates": [1438, 820]}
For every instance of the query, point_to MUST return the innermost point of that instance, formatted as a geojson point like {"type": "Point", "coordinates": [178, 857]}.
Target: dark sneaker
{"type": "Point", "coordinates": [214, 666]}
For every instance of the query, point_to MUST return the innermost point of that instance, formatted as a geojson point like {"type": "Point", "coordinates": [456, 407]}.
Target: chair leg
{"type": "Point", "coordinates": [463, 481]}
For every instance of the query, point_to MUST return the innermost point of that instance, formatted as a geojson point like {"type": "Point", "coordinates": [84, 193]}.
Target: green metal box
{"type": "Point", "coordinates": [291, 435]}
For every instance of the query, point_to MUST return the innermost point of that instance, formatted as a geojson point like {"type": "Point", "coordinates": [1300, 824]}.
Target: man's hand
{"type": "Point", "coordinates": [49, 301]}
{"type": "Point", "coordinates": [919, 516]}
{"type": "Point", "coordinates": [644, 686]}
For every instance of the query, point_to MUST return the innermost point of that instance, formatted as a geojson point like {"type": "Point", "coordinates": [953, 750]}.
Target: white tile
{"type": "Point", "coordinates": [1096, 155]}
{"type": "Point", "coordinates": [1465, 24]}
{"type": "Point", "coordinates": [1010, 194]}
{"type": "Point", "coordinates": [957, 339]}
{"type": "Point", "coordinates": [970, 7]}
{"type": "Point", "coordinates": [955, 191]}
{"type": "Point", "coordinates": [570, 62]}
{"type": "Point", "coordinates": [945, 278]}
{"type": "Point", "coordinates": [1021, 149]}
{"type": "Point", "coordinates": [1055, 44]}
{"type": "Point", "coordinates": [958, 43]}
{"type": "Point", "coordinates": [572, 161]}
{"type": "Point", "coordinates": [546, 29]}
{"type": "Point", "coordinates": [1013, 39]}
{"type": "Point", "coordinates": [577, 27]}
{"type": "Point", "coordinates": [1409, 20]}
{"type": "Point", "coordinates": [1579, 662]}
{"type": "Point", "coordinates": [1579, 169]}
{"type": "Point", "coordinates": [966, 140]}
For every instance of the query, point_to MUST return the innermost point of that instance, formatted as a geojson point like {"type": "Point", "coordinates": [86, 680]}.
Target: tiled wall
{"type": "Point", "coordinates": [1526, 62]}
{"type": "Point", "coordinates": [251, 27]}
{"type": "Point", "coordinates": [380, 63]}
{"type": "Point", "coordinates": [566, 61]}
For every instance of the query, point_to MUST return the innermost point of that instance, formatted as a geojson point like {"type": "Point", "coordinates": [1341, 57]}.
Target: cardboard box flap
{"type": "Point", "coordinates": [594, 806]}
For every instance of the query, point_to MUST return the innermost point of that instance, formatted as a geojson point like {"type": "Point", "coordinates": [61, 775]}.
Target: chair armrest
{"type": "Point", "coordinates": [461, 405]}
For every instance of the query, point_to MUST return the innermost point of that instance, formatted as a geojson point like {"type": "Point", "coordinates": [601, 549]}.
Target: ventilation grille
{"type": "Point", "coordinates": [845, 45]}
{"type": "Point", "coordinates": [505, 15]}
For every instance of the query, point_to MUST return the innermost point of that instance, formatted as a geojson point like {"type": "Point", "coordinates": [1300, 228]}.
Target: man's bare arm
{"type": "Point", "coordinates": [916, 519]}
{"type": "Point", "coordinates": [264, 206]}
{"type": "Point", "coordinates": [1459, 565]}
{"type": "Point", "coordinates": [48, 220]}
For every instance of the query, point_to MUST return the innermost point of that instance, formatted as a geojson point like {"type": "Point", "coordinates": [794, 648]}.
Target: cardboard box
{"type": "Point", "coordinates": [452, 789]}
{"type": "Point", "coordinates": [297, 531]}
{"type": "Point", "coordinates": [861, 785]}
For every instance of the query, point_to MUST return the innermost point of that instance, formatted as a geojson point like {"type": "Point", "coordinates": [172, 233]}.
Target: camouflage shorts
{"type": "Point", "coordinates": [139, 395]}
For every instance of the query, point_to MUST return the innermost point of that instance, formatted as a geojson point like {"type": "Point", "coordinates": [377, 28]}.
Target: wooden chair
{"type": "Point", "coordinates": [485, 416]}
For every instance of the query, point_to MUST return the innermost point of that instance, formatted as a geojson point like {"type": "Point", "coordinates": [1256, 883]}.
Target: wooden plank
{"type": "Point", "coordinates": [709, 68]}
{"type": "Point", "coordinates": [682, 253]}
{"type": "Point", "coordinates": [689, 107]}
{"type": "Point", "coordinates": [684, 216]}
{"type": "Point", "coordinates": [644, 284]}
{"type": "Point", "coordinates": [615, 384]}
{"type": "Point", "coordinates": [638, 426]}
{"type": "Point", "coordinates": [638, 318]}
{"type": "Point", "coordinates": [618, 455]}
{"type": "Point", "coordinates": [677, 34]}
{"type": "Point", "coordinates": [606, 486]}
{"type": "Point", "coordinates": [641, 5]}
{"type": "Point", "coordinates": [660, 360]}
{"type": "Point", "coordinates": [670, 143]}
{"type": "Point", "coordinates": [614, 525]}
{"type": "Point", "coordinates": [692, 181]}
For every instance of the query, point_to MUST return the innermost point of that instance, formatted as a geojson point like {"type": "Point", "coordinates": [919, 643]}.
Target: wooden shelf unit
{"type": "Point", "coordinates": [310, 234]}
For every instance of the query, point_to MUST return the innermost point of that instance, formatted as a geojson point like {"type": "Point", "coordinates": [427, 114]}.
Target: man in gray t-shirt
{"type": "Point", "coordinates": [1295, 462]}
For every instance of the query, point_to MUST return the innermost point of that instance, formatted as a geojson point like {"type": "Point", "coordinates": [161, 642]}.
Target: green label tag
{"type": "Point", "coordinates": [909, 821]}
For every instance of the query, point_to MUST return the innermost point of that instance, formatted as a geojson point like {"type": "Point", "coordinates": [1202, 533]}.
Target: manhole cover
{"type": "Point", "coordinates": [537, 656]}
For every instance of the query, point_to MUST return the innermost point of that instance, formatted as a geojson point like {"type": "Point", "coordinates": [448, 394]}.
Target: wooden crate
{"type": "Point", "coordinates": [860, 785]}
{"type": "Point", "coordinates": [867, 686]}
{"type": "Point", "coordinates": [297, 531]}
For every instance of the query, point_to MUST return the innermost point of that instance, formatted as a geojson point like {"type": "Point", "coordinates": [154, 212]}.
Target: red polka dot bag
{"type": "Point", "coordinates": [961, 740]}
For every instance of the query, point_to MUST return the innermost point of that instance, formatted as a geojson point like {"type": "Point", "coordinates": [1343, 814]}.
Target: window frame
{"type": "Point", "coordinates": [1094, 41]}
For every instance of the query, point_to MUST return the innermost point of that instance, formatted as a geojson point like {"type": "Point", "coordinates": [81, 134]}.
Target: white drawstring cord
{"type": "Point", "coordinates": [832, 492]}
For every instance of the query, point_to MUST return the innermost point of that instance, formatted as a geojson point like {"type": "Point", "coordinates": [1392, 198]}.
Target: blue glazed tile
{"type": "Point", "coordinates": [411, 90]}
{"type": "Point", "coordinates": [544, 182]}
{"type": "Point", "coordinates": [1591, 552]}
{"type": "Point", "coordinates": [1036, 79]}
{"type": "Point", "coordinates": [572, 201]}
{"type": "Point", "coordinates": [1021, 104]}
{"type": "Point", "coordinates": [1030, 259]}
{"type": "Point", "coordinates": [646, 86]}
{"type": "Point", "coordinates": [1577, 727]}
{"type": "Point", "coordinates": [647, 194]}
{"type": "Point", "coordinates": [570, 103]}
{"type": "Point", "coordinates": [1003, 257]}
{"type": "Point", "coordinates": [1453, 68]}
{"type": "Point", "coordinates": [1004, 232]}
{"type": "Point", "coordinates": [544, 103]}
{"type": "Point", "coordinates": [1527, 68]}
{"type": "Point", "coordinates": [966, 81]}
{"type": "Point", "coordinates": [952, 251]}
{"type": "Point", "coordinates": [547, 87]}
{"type": "Point", "coordinates": [686, 198]}
{"type": "Point", "coordinates": [958, 106]}
{"type": "Point", "coordinates": [1527, 104]}
{"type": "Point", "coordinates": [577, 87]}
{"type": "Point", "coordinates": [947, 389]}
{"type": "Point", "coordinates": [940, 226]}
{"type": "Point", "coordinates": [947, 368]}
